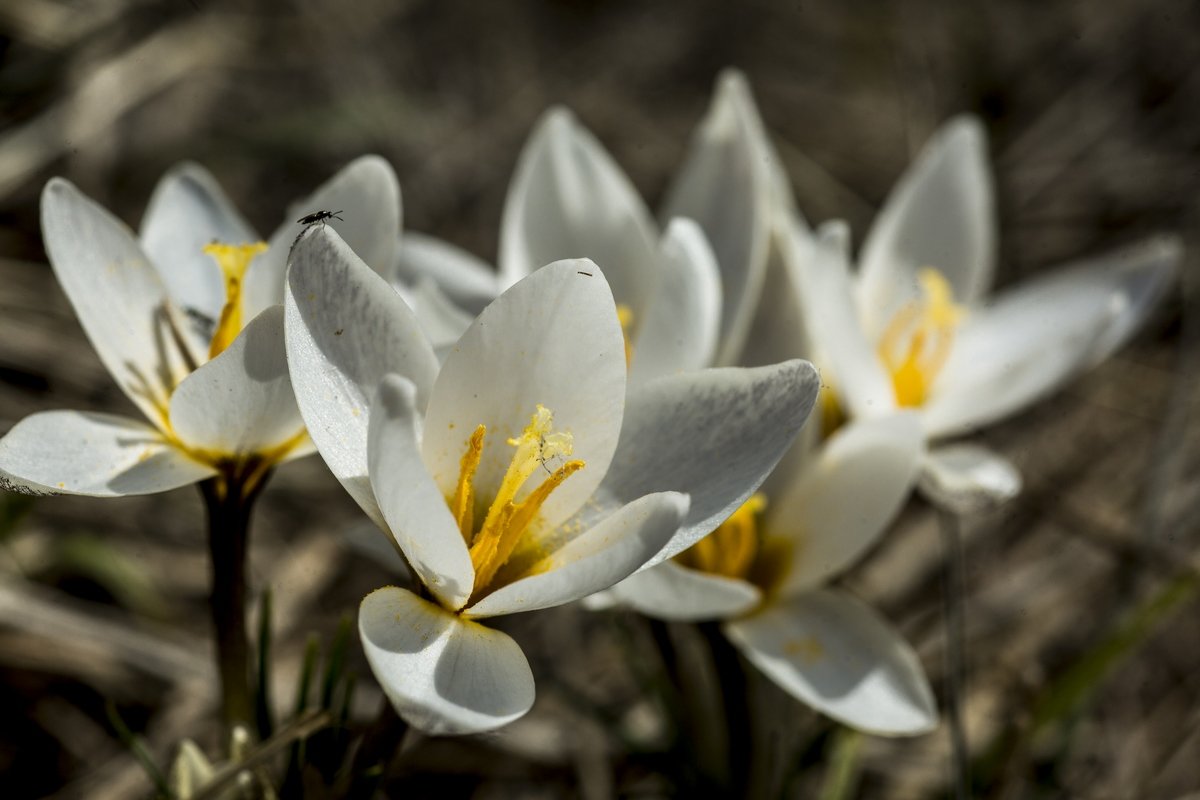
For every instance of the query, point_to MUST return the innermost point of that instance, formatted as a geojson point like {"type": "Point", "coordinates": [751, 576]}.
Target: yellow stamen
{"type": "Point", "coordinates": [625, 317]}
{"type": "Point", "coordinates": [463, 504]}
{"type": "Point", "coordinates": [508, 519]}
{"type": "Point", "coordinates": [731, 549]}
{"type": "Point", "coordinates": [234, 260]}
{"type": "Point", "coordinates": [917, 340]}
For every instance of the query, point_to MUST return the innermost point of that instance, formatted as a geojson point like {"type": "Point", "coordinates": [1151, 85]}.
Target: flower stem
{"type": "Point", "coordinates": [229, 498]}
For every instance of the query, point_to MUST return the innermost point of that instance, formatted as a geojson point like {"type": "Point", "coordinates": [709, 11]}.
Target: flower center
{"type": "Point", "coordinates": [234, 260]}
{"type": "Point", "coordinates": [917, 340]}
{"type": "Point", "coordinates": [732, 548]}
{"type": "Point", "coordinates": [507, 519]}
{"type": "Point", "coordinates": [625, 317]}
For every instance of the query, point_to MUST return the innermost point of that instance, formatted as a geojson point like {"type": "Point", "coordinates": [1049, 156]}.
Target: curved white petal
{"type": "Point", "coordinates": [443, 674]}
{"type": "Point", "coordinates": [713, 434]}
{"type": "Point", "coordinates": [553, 339]}
{"type": "Point", "coordinates": [569, 199]}
{"type": "Point", "coordinates": [940, 214]}
{"type": "Point", "coordinates": [678, 331]}
{"type": "Point", "coordinates": [344, 329]}
{"type": "Point", "coordinates": [834, 653]}
{"type": "Point", "coordinates": [1036, 336]}
{"type": "Point", "coordinates": [367, 195]}
{"type": "Point", "coordinates": [187, 211]}
{"type": "Point", "coordinates": [673, 592]}
{"type": "Point", "coordinates": [854, 370]}
{"type": "Point", "coordinates": [966, 478]}
{"type": "Point", "coordinates": [593, 560]}
{"type": "Point", "coordinates": [102, 455]}
{"type": "Point", "coordinates": [116, 293]}
{"type": "Point", "coordinates": [778, 331]}
{"type": "Point", "coordinates": [844, 500]}
{"type": "Point", "coordinates": [467, 280]}
{"type": "Point", "coordinates": [1140, 275]}
{"type": "Point", "coordinates": [415, 509]}
{"type": "Point", "coordinates": [726, 184]}
{"type": "Point", "coordinates": [443, 322]}
{"type": "Point", "coordinates": [241, 402]}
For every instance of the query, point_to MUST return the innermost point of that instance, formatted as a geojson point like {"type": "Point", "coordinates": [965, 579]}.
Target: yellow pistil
{"type": "Point", "coordinates": [625, 317]}
{"type": "Point", "coordinates": [234, 260]}
{"type": "Point", "coordinates": [507, 518]}
{"type": "Point", "coordinates": [917, 340]}
{"type": "Point", "coordinates": [732, 548]}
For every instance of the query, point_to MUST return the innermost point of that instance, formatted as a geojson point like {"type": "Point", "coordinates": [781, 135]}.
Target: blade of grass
{"type": "Point", "coordinates": [137, 749]}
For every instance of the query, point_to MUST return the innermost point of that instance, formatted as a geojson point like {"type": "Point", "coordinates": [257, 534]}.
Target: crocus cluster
{"type": "Point", "coordinates": [616, 413]}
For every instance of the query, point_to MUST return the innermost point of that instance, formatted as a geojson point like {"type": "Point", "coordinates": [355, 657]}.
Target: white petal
{"type": "Point", "coordinates": [443, 674]}
{"type": "Point", "coordinates": [367, 194]}
{"type": "Point", "coordinates": [843, 502]}
{"type": "Point", "coordinates": [1140, 276]}
{"type": "Point", "coordinates": [469, 281]}
{"type": "Point", "coordinates": [966, 478]}
{"type": "Point", "coordinates": [594, 560]}
{"type": "Point", "coordinates": [834, 653]}
{"type": "Point", "coordinates": [1036, 336]}
{"type": "Point", "coordinates": [678, 330]}
{"type": "Point", "coordinates": [551, 339]}
{"type": "Point", "coordinates": [940, 214]}
{"type": "Point", "coordinates": [241, 402]}
{"type": "Point", "coordinates": [569, 199]}
{"type": "Point", "coordinates": [103, 455]}
{"type": "Point", "coordinates": [414, 507]}
{"type": "Point", "coordinates": [778, 331]}
{"type": "Point", "coordinates": [116, 293]}
{"type": "Point", "coordinates": [187, 211]}
{"type": "Point", "coordinates": [443, 322]}
{"type": "Point", "coordinates": [345, 328]}
{"type": "Point", "coordinates": [854, 370]}
{"type": "Point", "coordinates": [673, 592]}
{"type": "Point", "coordinates": [726, 185]}
{"type": "Point", "coordinates": [713, 434]}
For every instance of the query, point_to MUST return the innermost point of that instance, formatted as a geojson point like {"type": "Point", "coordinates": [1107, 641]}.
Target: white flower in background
{"type": "Point", "coordinates": [915, 328]}
{"type": "Point", "coordinates": [184, 322]}
{"type": "Point", "coordinates": [521, 475]}
{"type": "Point", "coordinates": [686, 296]}
{"type": "Point", "coordinates": [569, 199]}
{"type": "Point", "coordinates": [733, 185]}
{"type": "Point", "coordinates": [763, 571]}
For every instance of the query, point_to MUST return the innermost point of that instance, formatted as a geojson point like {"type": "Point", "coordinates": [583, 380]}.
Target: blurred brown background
{"type": "Point", "coordinates": [1095, 135]}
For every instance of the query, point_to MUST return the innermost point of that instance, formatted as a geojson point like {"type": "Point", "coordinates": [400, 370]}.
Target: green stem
{"type": "Point", "coordinates": [735, 701]}
{"type": "Point", "coordinates": [229, 498]}
{"type": "Point", "coordinates": [379, 744]}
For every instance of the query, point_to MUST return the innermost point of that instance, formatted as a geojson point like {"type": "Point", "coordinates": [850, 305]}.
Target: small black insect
{"type": "Point", "coordinates": [320, 216]}
{"type": "Point", "coordinates": [581, 272]}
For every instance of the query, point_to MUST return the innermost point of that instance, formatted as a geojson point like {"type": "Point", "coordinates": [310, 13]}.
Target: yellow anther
{"type": "Point", "coordinates": [917, 340]}
{"type": "Point", "coordinates": [625, 317]}
{"type": "Point", "coordinates": [508, 518]}
{"type": "Point", "coordinates": [234, 260]}
{"type": "Point", "coordinates": [731, 549]}
{"type": "Point", "coordinates": [463, 504]}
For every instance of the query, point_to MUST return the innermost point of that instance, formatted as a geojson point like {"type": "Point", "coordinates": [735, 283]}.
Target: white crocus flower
{"type": "Point", "coordinates": [519, 476]}
{"type": "Point", "coordinates": [763, 572]}
{"type": "Point", "coordinates": [569, 199]}
{"type": "Point", "coordinates": [732, 184]}
{"type": "Point", "coordinates": [188, 324]}
{"type": "Point", "coordinates": [916, 329]}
